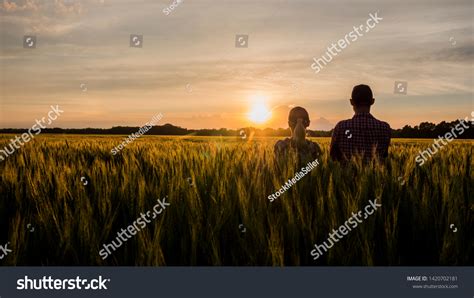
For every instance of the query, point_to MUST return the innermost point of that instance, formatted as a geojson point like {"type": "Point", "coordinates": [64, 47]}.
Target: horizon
{"type": "Point", "coordinates": [220, 128]}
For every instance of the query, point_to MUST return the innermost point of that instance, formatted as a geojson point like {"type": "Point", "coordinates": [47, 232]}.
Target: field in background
{"type": "Point", "coordinates": [217, 186]}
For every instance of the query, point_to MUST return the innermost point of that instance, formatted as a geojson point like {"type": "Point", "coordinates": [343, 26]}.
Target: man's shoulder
{"type": "Point", "coordinates": [343, 124]}
{"type": "Point", "coordinates": [382, 124]}
{"type": "Point", "coordinates": [368, 119]}
{"type": "Point", "coordinates": [385, 125]}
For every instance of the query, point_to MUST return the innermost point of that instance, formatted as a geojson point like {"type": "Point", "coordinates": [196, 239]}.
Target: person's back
{"type": "Point", "coordinates": [308, 149]}
{"type": "Point", "coordinates": [363, 134]}
{"type": "Point", "coordinates": [298, 121]}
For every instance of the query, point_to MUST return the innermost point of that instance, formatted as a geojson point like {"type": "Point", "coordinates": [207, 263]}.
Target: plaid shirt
{"type": "Point", "coordinates": [363, 134]}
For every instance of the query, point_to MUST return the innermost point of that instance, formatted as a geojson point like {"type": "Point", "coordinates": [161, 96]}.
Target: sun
{"type": "Point", "coordinates": [259, 113]}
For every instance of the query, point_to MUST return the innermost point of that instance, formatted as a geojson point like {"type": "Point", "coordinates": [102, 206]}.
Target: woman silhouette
{"type": "Point", "coordinates": [298, 120]}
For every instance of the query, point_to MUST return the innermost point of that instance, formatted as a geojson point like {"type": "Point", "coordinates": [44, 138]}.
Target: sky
{"type": "Point", "coordinates": [190, 69]}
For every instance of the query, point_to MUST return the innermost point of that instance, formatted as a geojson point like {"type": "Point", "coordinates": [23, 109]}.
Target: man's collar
{"type": "Point", "coordinates": [363, 114]}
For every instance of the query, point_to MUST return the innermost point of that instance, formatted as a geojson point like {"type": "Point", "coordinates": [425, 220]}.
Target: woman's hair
{"type": "Point", "coordinates": [298, 112]}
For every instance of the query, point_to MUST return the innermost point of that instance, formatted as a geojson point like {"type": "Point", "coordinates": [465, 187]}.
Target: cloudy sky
{"type": "Point", "coordinates": [190, 70]}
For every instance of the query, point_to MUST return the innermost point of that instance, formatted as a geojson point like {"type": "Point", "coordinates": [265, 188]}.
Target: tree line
{"type": "Point", "coordinates": [423, 130]}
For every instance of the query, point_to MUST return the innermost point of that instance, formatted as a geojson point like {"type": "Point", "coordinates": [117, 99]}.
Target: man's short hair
{"type": "Point", "coordinates": [298, 112]}
{"type": "Point", "coordinates": [362, 95]}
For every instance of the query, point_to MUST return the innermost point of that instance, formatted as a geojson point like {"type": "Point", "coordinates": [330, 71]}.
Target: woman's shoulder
{"type": "Point", "coordinates": [314, 147]}
{"type": "Point", "coordinates": [313, 144]}
{"type": "Point", "coordinates": [282, 144]}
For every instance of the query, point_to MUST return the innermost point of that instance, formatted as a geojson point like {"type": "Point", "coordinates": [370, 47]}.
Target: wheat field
{"type": "Point", "coordinates": [220, 214]}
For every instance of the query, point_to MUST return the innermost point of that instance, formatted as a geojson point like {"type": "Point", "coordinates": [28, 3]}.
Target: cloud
{"type": "Point", "coordinates": [464, 53]}
{"type": "Point", "coordinates": [64, 7]}
{"type": "Point", "coordinates": [321, 124]}
{"type": "Point", "coordinates": [15, 6]}
{"type": "Point", "coordinates": [48, 8]}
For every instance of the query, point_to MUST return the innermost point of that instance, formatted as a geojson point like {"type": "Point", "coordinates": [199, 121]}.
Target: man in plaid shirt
{"type": "Point", "coordinates": [363, 134]}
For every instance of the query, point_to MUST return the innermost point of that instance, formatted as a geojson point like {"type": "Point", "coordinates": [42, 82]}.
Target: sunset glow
{"type": "Point", "coordinates": [259, 112]}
